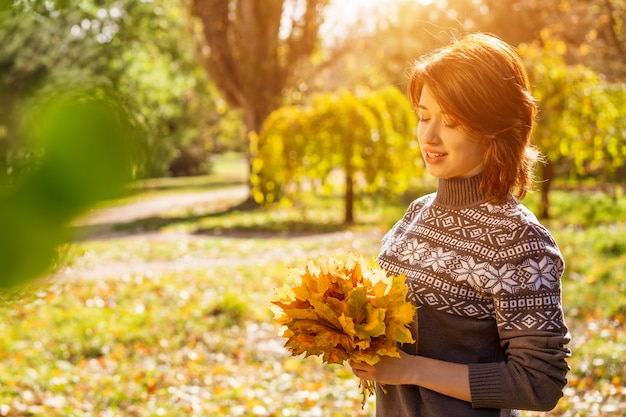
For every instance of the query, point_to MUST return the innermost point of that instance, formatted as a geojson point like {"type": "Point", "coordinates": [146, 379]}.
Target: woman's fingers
{"type": "Point", "coordinates": [360, 369]}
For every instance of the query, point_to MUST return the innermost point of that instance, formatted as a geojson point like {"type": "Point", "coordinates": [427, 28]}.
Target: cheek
{"type": "Point", "coordinates": [420, 131]}
{"type": "Point", "coordinates": [478, 154]}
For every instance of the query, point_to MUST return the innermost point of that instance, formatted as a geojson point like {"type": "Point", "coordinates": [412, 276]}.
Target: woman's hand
{"type": "Point", "coordinates": [389, 370]}
{"type": "Point", "coordinates": [447, 378]}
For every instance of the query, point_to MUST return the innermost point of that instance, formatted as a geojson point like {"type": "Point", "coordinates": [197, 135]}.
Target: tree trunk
{"type": "Point", "coordinates": [349, 197]}
{"type": "Point", "coordinates": [252, 127]}
{"type": "Point", "coordinates": [547, 175]}
{"type": "Point", "coordinates": [249, 58]}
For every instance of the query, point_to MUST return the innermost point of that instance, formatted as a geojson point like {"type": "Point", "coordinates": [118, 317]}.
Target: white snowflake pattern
{"type": "Point", "coordinates": [413, 251]}
{"type": "Point", "coordinates": [501, 280]}
{"type": "Point", "coordinates": [470, 271]}
{"type": "Point", "coordinates": [438, 259]}
{"type": "Point", "coordinates": [541, 273]}
{"type": "Point", "coordinates": [392, 243]}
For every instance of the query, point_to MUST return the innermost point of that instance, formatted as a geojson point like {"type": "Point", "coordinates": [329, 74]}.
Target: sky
{"type": "Point", "coordinates": [342, 13]}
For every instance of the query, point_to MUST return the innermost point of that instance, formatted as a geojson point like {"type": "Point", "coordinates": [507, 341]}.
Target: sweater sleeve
{"type": "Point", "coordinates": [527, 297]}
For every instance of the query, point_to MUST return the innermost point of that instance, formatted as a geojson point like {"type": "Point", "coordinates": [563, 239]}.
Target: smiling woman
{"type": "Point", "coordinates": [473, 255]}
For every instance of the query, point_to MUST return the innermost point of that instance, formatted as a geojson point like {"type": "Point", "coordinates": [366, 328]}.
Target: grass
{"type": "Point", "coordinates": [195, 342]}
{"type": "Point", "coordinates": [197, 339]}
{"type": "Point", "coordinates": [227, 170]}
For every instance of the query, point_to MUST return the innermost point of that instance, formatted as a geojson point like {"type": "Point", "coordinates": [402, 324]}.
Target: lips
{"type": "Point", "coordinates": [435, 154]}
{"type": "Point", "coordinates": [432, 158]}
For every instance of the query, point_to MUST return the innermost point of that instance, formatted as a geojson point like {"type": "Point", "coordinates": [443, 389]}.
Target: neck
{"type": "Point", "coordinates": [459, 192]}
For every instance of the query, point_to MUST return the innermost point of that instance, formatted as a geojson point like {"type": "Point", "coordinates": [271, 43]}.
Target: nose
{"type": "Point", "coordinates": [428, 133]}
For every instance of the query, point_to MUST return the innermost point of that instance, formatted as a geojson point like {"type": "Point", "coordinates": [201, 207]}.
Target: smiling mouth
{"type": "Point", "coordinates": [435, 155]}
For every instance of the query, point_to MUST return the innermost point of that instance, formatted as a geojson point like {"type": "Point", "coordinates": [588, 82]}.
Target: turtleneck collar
{"type": "Point", "coordinates": [459, 192]}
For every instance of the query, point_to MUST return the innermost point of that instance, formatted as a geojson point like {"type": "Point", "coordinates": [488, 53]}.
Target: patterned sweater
{"type": "Point", "coordinates": [487, 281]}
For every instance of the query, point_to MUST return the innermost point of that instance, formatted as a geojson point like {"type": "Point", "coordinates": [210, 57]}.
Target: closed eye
{"type": "Point", "coordinates": [421, 118]}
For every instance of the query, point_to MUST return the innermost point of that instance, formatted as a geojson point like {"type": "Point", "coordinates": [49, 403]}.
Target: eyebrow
{"type": "Point", "coordinates": [422, 107]}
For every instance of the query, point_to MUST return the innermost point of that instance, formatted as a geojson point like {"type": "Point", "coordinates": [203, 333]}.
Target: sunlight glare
{"type": "Point", "coordinates": [347, 9]}
{"type": "Point", "coordinates": [343, 13]}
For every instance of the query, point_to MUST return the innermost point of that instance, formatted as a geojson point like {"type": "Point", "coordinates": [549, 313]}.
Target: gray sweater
{"type": "Point", "coordinates": [487, 281]}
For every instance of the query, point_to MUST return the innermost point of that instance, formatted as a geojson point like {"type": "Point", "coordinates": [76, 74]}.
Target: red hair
{"type": "Point", "coordinates": [481, 82]}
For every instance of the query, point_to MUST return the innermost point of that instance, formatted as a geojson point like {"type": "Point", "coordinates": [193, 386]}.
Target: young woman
{"type": "Point", "coordinates": [485, 274]}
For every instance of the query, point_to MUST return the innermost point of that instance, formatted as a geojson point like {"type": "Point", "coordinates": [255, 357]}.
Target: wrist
{"type": "Point", "coordinates": [412, 374]}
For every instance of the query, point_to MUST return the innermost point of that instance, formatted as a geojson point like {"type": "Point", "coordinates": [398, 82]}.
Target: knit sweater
{"type": "Point", "coordinates": [486, 279]}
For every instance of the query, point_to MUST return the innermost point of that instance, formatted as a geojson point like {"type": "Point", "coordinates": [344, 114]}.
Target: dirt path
{"type": "Point", "coordinates": [104, 220]}
{"type": "Point", "coordinates": [155, 206]}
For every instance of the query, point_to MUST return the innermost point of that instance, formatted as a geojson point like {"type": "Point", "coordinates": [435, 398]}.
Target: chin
{"type": "Point", "coordinates": [439, 175]}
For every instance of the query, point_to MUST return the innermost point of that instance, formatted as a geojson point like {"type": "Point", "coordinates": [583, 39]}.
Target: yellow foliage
{"type": "Point", "coordinates": [344, 309]}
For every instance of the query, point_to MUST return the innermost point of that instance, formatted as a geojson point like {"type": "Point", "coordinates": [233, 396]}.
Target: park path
{"type": "Point", "coordinates": [101, 223]}
{"type": "Point", "coordinates": [158, 205]}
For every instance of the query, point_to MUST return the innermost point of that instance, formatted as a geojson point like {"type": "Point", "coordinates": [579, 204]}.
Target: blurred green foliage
{"type": "Point", "coordinates": [92, 95]}
{"type": "Point", "coordinates": [145, 51]}
{"type": "Point", "coordinates": [86, 152]}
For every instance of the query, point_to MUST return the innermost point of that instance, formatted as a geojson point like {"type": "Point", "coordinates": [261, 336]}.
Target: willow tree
{"type": "Point", "coordinates": [253, 49]}
{"type": "Point", "coordinates": [355, 143]}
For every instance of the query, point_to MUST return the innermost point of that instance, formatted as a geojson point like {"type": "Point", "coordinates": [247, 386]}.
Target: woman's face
{"type": "Point", "coordinates": [448, 150]}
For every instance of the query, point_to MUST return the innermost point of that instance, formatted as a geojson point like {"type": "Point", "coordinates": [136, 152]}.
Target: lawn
{"type": "Point", "coordinates": [188, 331]}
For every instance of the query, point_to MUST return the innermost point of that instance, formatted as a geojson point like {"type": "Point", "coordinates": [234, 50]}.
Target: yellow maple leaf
{"type": "Point", "coordinates": [326, 313]}
{"type": "Point", "coordinates": [347, 324]}
{"type": "Point", "coordinates": [373, 325]}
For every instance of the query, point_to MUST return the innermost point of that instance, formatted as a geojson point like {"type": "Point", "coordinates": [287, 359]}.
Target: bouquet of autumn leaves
{"type": "Point", "coordinates": [344, 310]}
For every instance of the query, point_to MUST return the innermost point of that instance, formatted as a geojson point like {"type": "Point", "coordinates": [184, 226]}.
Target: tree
{"type": "Point", "coordinates": [581, 129]}
{"type": "Point", "coordinates": [36, 53]}
{"type": "Point", "coordinates": [367, 137]}
{"type": "Point", "coordinates": [252, 50]}
{"type": "Point", "coordinates": [143, 50]}
{"type": "Point", "coordinates": [67, 134]}
{"type": "Point", "coordinates": [592, 30]}
{"type": "Point", "coordinates": [159, 70]}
